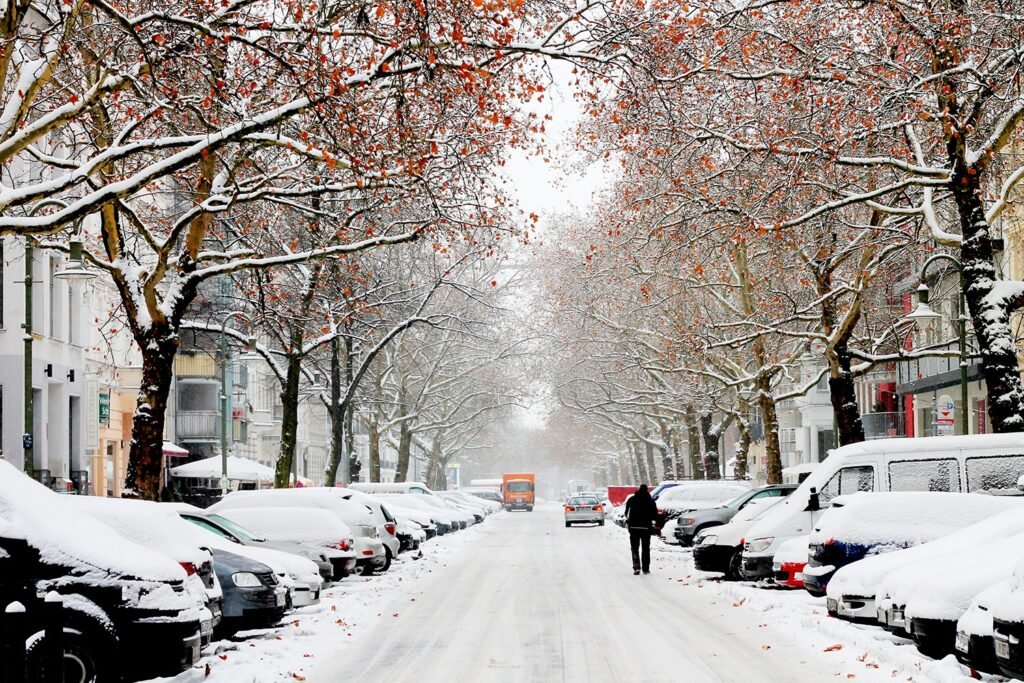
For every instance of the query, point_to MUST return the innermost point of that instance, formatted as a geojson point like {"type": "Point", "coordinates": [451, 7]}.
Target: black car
{"type": "Point", "coordinates": [253, 595]}
{"type": "Point", "coordinates": [111, 631]}
{"type": "Point", "coordinates": [1008, 638]}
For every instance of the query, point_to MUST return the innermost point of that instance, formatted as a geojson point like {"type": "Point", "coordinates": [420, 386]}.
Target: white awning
{"type": "Point", "coordinates": [239, 469]}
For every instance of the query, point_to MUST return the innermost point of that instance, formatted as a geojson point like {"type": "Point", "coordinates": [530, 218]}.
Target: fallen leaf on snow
{"type": "Point", "coordinates": [834, 648]}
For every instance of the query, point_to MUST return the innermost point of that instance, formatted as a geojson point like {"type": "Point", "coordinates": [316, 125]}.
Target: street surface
{"type": "Point", "coordinates": [532, 601]}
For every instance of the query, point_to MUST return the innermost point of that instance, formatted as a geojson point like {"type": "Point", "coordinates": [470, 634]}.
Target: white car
{"type": "Point", "coordinates": [370, 552]}
{"type": "Point", "coordinates": [310, 526]}
{"type": "Point", "coordinates": [387, 525]}
{"type": "Point", "coordinates": [443, 517]}
{"type": "Point", "coordinates": [720, 548]}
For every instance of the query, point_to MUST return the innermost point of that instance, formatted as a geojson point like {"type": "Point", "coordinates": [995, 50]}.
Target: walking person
{"type": "Point", "coordinates": [641, 513]}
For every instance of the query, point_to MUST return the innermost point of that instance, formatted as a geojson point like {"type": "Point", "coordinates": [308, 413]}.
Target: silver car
{"type": "Point", "coordinates": [583, 509]}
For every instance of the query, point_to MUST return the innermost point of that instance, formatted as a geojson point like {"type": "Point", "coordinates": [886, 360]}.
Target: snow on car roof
{"type": "Point", "coordinates": [299, 524]}
{"type": "Point", "coordinates": [64, 536]}
{"type": "Point", "coordinates": [332, 499]}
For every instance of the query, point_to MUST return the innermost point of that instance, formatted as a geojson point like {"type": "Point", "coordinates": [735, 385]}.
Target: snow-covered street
{"type": "Point", "coordinates": [533, 601]}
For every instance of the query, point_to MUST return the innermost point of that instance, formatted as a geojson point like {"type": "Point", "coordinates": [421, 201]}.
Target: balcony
{"type": "Point", "coordinates": [200, 365]}
{"type": "Point", "coordinates": [883, 425]}
{"type": "Point", "coordinates": [198, 425]}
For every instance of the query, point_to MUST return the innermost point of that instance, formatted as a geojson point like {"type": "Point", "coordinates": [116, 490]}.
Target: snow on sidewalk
{"type": "Point", "coordinates": [867, 652]}
{"type": "Point", "coordinates": [346, 611]}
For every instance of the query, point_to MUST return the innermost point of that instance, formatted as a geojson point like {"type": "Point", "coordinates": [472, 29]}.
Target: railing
{"type": "Point", "coordinates": [195, 365]}
{"type": "Point", "coordinates": [883, 425]}
{"type": "Point", "coordinates": [195, 424]}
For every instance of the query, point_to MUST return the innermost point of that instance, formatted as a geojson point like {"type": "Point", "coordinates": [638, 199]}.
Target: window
{"type": "Point", "coordinates": [519, 487]}
{"type": "Point", "coordinates": [583, 501]}
{"type": "Point", "coordinates": [925, 475]}
{"type": "Point", "coordinates": [848, 480]}
{"type": "Point", "coordinates": [997, 474]}
{"type": "Point", "coordinates": [56, 315]}
{"type": "Point", "coordinates": [769, 493]}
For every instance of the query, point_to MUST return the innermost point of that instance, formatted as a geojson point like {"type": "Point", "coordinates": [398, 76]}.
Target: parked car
{"type": "Point", "coordinates": [789, 563]}
{"type": "Point", "coordinates": [971, 464]}
{"type": "Point", "coordinates": [369, 547]}
{"type": "Point", "coordinates": [443, 519]}
{"type": "Point", "coordinates": [861, 591]}
{"type": "Point", "coordinates": [874, 523]}
{"type": "Point", "coordinates": [486, 494]}
{"type": "Point", "coordinates": [584, 509]}
{"type": "Point", "coordinates": [236, 533]}
{"type": "Point", "coordinates": [693, 521]}
{"type": "Point", "coordinates": [720, 548]}
{"type": "Point", "coordinates": [309, 526]}
{"type": "Point", "coordinates": [253, 594]}
{"type": "Point", "coordinates": [128, 614]}
{"type": "Point", "coordinates": [1008, 626]}
{"type": "Point", "coordinates": [387, 525]}
{"type": "Point", "coordinates": [974, 643]}
{"type": "Point", "coordinates": [395, 487]}
{"type": "Point", "coordinates": [695, 495]}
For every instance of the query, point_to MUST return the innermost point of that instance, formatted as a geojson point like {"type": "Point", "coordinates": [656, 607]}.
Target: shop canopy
{"type": "Point", "coordinates": [239, 469]}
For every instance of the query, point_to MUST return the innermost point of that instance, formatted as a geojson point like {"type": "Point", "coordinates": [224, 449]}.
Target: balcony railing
{"type": "Point", "coordinates": [883, 425]}
{"type": "Point", "coordinates": [195, 365]}
{"type": "Point", "coordinates": [195, 425]}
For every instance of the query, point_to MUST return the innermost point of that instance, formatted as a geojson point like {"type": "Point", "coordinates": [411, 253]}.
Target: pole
{"type": "Point", "coordinates": [224, 410]}
{"type": "Point", "coordinates": [966, 426]}
{"type": "Point", "coordinates": [27, 440]}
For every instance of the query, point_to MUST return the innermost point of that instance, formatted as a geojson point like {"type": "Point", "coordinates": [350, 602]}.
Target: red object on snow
{"type": "Point", "coordinates": [790, 575]}
{"type": "Point", "coordinates": [617, 495]}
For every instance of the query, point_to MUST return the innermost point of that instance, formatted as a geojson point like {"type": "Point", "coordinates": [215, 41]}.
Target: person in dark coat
{"type": "Point", "coordinates": [641, 513]}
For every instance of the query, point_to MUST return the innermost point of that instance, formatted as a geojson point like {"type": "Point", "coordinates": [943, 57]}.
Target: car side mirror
{"type": "Point", "coordinates": [813, 501]}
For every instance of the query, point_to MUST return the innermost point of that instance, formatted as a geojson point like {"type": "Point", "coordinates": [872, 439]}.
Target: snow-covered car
{"type": "Point", "coordinates": [863, 524]}
{"type": "Point", "coordinates": [1008, 626]}
{"type": "Point", "coordinates": [387, 525]}
{"type": "Point", "coordinates": [932, 606]}
{"type": "Point", "coordinates": [860, 591]}
{"type": "Point", "coordinates": [126, 609]}
{"type": "Point", "coordinates": [490, 495]}
{"type": "Point", "coordinates": [236, 533]}
{"type": "Point", "coordinates": [370, 553]}
{"type": "Point", "coordinates": [443, 519]}
{"type": "Point", "coordinates": [253, 594]}
{"type": "Point", "coordinates": [692, 522]}
{"type": "Point", "coordinates": [974, 644]}
{"type": "Point", "coordinates": [720, 548]}
{"type": "Point", "coordinates": [789, 563]}
{"type": "Point", "coordinates": [476, 512]}
{"type": "Point", "coordinates": [697, 495]}
{"type": "Point", "coordinates": [309, 526]}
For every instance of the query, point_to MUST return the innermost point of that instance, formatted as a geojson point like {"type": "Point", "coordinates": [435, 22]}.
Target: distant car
{"type": "Point", "coordinates": [486, 494]}
{"type": "Point", "coordinates": [253, 595]}
{"type": "Point", "coordinates": [584, 509]}
{"type": "Point", "coordinates": [975, 646]}
{"type": "Point", "coordinates": [692, 522]}
{"type": "Point", "coordinates": [444, 519]}
{"type": "Point", "coordinates": [863, 524]}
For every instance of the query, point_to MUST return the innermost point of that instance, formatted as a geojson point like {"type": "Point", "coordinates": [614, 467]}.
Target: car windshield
{"type": "Point", "coordinates": [736, 502]}
{"type": "Point", "coordinates": [583, 501]}
{"type": "Point", "coordinates": [234, 529]}
{"type": "Point", "coordinates": [519, 487]}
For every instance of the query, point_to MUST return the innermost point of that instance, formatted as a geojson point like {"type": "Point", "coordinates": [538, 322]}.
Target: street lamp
{"type": "Point", "coordinates": [225, 414]}
{"type": "Point", "coordinates": [924, 315]}
{"type": "Point", "coordinates": [74, 270]}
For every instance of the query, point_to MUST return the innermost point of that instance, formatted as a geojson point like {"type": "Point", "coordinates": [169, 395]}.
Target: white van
{"type": "Point", "coordinates": [395, 487]}
{"type": "Point", "coordinates": [980, 463]}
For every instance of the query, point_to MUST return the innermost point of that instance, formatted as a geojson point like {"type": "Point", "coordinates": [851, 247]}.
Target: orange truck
{"type": "Point", "coordinates": [518, 491]}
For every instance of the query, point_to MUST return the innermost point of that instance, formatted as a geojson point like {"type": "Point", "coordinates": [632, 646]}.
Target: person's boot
{"type": "Point", "coordinates": [647, 571]}
{"type": "Point", "coordinates": [636, 572]}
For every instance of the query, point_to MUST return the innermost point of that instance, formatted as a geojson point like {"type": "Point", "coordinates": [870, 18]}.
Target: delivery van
{"type": "Point", "coordinates": [980, 463]}
{"type": "Point", "coordinates": [518, 491]}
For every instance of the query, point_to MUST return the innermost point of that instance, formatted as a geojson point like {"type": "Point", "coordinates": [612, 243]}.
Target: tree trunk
{"type": "Point", "coordinates": [438, 481]}
{"type": "Point", "coordinates": [743, 444]}
{"type": "Point", "coordinates": [289, 422]}
{"type": "Point", "coordinates": [404, 451]}
{"type": "Point", "coordinates": [354, 465]}
{"type": "Point", "coordinates": [693, 444]}
{"type": "Point", "coordinates": [665, 449]}
{"type": "Point", "coordinates": [843, 394]}
{"type": "Point", "coordinates": [373, 437]}
{"type": "Point", "coordinates": [709, 434]}
{"type": "Point", "coordinates": [990, 318]}
{"type": "Point", "coordinates": [677, 453]}
{"type": "Point", "coordinates": [145, 462]}
{"type": "Point", "coordinates": [652, 470]}
{"type": "Point", "coordinates": [335, 414]}
{"type": "Point", "coordinates": [772, 450]}
{"type": "Point", "coordinates": [638, 458]}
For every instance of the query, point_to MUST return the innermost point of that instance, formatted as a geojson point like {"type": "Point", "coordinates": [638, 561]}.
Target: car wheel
{"type": "Point", "coordinates": [600, 522]}
{"type": "Point", "coordinates": [529, 508]}
{"type": "Point", "coordinates": [508, 508]}
{"type": "Point", "coordinates": [734, 571]}
{"type": "Point", "coordinates": [88, 657]}
{"type": "Point", "coordinates": [568, 524]}
{"type": "Point", "coordinates": [387, 559]}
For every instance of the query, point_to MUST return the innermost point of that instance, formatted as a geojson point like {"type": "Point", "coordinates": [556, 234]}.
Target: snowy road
{"type": "Point", "coordinates": [534, 601]}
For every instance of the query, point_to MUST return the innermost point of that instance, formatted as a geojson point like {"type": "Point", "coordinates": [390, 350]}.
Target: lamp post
{"type": "Point", "coordinates": [225, 415]}
{"type": "Point", "coordinates": [924, 315]}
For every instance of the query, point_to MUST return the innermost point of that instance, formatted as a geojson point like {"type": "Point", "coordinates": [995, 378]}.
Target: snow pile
{"type": "Point", "coordinates": [299, 525]}
{"type": "Point", "coordinates": [900, 520]}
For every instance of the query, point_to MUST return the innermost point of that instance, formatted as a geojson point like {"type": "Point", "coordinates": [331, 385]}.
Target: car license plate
{"type": "Point", "coordinates": [1002, 649]}
{"type": "Point", "coordinates": [832, 604]}
{"type": "Point", "coordinates": [962, 642]}
{"type": "Point", "coordinates": [195, 653]}
{"type": "Point", "coordinates": [279, 599]}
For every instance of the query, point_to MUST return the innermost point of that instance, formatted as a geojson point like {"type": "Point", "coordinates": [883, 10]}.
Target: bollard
{"type": "Point", "coordinates": [53, 640]}
{"type": "Point", "coordinates": [15, 632]}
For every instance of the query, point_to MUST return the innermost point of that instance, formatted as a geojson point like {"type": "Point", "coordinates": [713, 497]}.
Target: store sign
{"type": "Point", "coordinates": [945, 411]}
{"type": "Point", "coordinates": [92, 416]}
{"type": "Point", "coordinates": [104, 408]}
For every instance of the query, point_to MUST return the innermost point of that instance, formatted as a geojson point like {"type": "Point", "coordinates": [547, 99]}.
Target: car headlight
{"type": "Point", "coordinates": [707, 539]}
{"type": "Point", "coordinates": [759, 545]}
{"type": "Point", "coordinates": [246, 580]}
{"type": "Point", "coordinates": [686, 521]}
